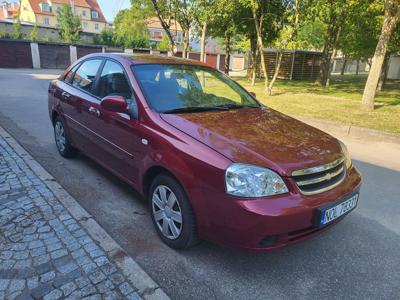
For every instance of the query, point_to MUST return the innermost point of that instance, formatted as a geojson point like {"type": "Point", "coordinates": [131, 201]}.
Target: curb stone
{"type": "Point", "coordinates": [350, 130]}
{"type": "Point", "coordinates": [147, 288]}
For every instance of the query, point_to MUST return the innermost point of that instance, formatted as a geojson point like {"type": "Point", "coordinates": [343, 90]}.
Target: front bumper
{"type": "Point", "coordinates": [268, 223]}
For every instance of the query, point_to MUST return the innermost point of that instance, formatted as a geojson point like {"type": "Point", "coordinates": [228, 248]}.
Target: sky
{"type": "Point", "coordinates": [110, 8]}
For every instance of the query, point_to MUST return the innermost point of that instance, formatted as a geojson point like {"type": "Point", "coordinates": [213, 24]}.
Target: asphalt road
{"type": "Point", "coordinates": [358, 258]}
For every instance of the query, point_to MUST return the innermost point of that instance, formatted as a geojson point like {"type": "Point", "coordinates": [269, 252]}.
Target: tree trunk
{"type": "Point", "coordinates": [203, 41]}
{"type": "Point", "coordinates": [383, 77]}
{"type": "Point", "coordinates": [328, 78]}
{"type": "Point", "coordinates": [276, 73]}
{"type": "Point", "coordinates": [255, 70]}
{"type": "Point", "coordinates": [358, 66]}
{"type": "Point", "coordinates": [227, 52]}
{"type": "Point", "coordinates": [284, 45]}
{"type": "Point", "coordinates": [343, 66]}
{"type": "Point", "coordinates": [325, 61]}
{"type": "Point", "coordinates": [185, 44]}
{"type": "Point", "coordinates": [392, 16]}
{"type": "Point", "coordinates": [252, 57]}
{"type": "Point", "coordinates": [258, 24]}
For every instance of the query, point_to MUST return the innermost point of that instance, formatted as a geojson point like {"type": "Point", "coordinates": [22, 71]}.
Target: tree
{"type": "Point", "coordinates": [265, 17]}
{"type": "Point", "coordinates": [391, 19]}
{"type": "Point", "coordinates": [106, 37]}
{"type": "Point", "coordinates": [68, 25]}
{"type": "Point", "coordinates": [224, 25]}
{"type": "Point", "coordinates": [291, 19]}
{"type": "Point", "coordinates": [17, 34]}
{"type": "Point", "coordinates": [333, 14]}
{"type": "Point", "coordinates": [164, 10]}
{"type": "Point", "coordinates": [34, 35]}
{"type": "Point", "coordinates": [131, 28]}
{"type": "Point", "coordinates": [203, 16]}
{"type": "Point", "coordinates": [164, 44]}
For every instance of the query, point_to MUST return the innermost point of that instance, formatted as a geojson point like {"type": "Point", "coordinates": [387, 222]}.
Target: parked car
{"type": "Point", "coordinates": [213, 162]}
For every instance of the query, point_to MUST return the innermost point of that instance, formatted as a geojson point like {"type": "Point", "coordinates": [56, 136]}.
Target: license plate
{"type": "Point", "coordinates": [331, 213]}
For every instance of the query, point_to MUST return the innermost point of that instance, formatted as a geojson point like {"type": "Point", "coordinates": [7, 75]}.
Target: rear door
{"type": "Point", "coordinates": [78, 97]}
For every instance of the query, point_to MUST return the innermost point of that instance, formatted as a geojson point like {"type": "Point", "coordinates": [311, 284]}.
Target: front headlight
{"type": "Point", "coordinates": [345, 154]}
{"type": "Point", "coordinates": [252, 181]}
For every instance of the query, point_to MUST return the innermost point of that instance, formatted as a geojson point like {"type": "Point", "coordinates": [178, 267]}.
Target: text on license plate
{"type": "Point", "coordinates": [335, 212]}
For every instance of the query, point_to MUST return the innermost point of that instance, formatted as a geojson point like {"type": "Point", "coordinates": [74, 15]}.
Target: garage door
{"type": "Point", "coordinates": [54, 56]}
{"type": "Point", "coordinates": [82, 51]}
{"type": "Point", "coordinates": [15, 54]}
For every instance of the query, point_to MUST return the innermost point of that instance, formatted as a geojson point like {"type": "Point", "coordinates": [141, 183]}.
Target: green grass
{"type": "Point", "coordinates": [341, 103]}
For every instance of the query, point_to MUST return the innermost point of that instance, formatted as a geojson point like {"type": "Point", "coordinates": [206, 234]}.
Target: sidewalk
{"type": "Point", "coordinates": [50, 248]}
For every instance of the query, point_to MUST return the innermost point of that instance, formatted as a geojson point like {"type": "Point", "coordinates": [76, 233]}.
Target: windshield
{"type": "Point", "coordinates": [183, 88]}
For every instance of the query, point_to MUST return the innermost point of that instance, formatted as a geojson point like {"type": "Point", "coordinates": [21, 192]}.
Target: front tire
{"type": "Point", "coordinates": [62, 140]}
{"type": "Point", "coordinates": [172, 214]}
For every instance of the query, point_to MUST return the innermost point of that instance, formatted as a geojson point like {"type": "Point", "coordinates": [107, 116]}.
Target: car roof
{"type": "Point", "coordinates": [141, 58]}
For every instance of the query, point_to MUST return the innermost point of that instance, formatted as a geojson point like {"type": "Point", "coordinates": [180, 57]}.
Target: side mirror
{"type": "Point", "coordinates": [253, 94]}
{"type": "Point", "coordinates": [115, 104]}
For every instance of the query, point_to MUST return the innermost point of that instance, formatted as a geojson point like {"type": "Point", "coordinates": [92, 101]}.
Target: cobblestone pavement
{"type": "Point", "coordinates": [44, 252]}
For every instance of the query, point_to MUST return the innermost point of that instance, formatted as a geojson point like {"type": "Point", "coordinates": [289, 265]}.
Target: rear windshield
{"type": "Point", "coordinates": [169, 87]}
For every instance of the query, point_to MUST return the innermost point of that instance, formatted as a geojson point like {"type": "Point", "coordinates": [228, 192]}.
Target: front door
{"type": "Point", "coordinates": [118, 134]}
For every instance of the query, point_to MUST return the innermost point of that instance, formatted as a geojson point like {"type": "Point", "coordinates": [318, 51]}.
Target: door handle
{"type": "Point", "coordinates": [65, 95]}
{"type": "Point", "coordinates": [94, 111]}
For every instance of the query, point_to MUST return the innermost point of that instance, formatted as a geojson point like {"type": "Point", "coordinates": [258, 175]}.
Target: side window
{"type": "Point", "coordinates": [86, 74]}
{"type": "Point", "coordinates": [68, 78]}
{"type": "Point", "coordinates": [113, 82]}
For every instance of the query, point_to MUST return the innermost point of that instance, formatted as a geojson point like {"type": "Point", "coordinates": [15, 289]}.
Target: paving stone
{"type": "Point", "coordinates": [32, 282]}
{"type": "Point", "coordinates": [46, 277]}
{"type": "Point", "coordinates": [133, 296]}
{"type": "Point", "coordinates": [58, 253]}
{"type": "Point", "coordinates": [44, 251]}
{"type": "Point", "coordinates": [125, 288]}
{"type": "Point", "coordinates": [4, 284]}
{"type": "Point", "coordinates": [68, 288]}
{"type": "Point", "coordinates": [53, 295]}
{"type": "Point", "coordinates": [97, 277]}
{"type": "Point", "coordinates": [16, 285]}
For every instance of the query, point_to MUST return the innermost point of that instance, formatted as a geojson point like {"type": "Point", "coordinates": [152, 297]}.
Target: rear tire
{"type": "Point", "coordinates": [172, 214]}
{"type": "Point", "coordinates": [62, 140]}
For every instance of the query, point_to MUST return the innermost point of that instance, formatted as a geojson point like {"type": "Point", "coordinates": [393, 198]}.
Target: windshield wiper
{"type": "Point", "coordinates": [191, 109]}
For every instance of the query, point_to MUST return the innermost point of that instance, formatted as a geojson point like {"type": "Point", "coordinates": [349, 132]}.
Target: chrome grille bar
{"type": "Point", "coordinates": [318, 169]}
{"type": "Point", "coordinates": [321, 178]}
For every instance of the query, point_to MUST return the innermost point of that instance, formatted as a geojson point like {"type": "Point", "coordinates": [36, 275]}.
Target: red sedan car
{"type": "Point", "coordinates": [213, 162]}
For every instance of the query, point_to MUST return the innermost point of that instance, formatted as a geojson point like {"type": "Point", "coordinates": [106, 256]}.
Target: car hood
{"type": "Point", "coordinates": [260, 136]}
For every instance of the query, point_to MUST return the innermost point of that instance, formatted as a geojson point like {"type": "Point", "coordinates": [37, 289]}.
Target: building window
{"type": "Point", "coordinates": [96, 26]}
{"type": "Point", "coordinates": [156, 35]}
{"type": "Point", "coordinates": [45, 7]}
{"type": "Point", "coordinates": [85, 25]}
{"type": "Point", "coordinates": [83, 13]}
{"type": "Point", "coordinates": [46, 21]}
{"type": "Point", "coordinates": [58, 8]}
{"type": "Point", "coordinates": [95, 14]}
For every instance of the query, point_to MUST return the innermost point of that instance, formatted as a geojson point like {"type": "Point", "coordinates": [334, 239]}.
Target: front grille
{"type": "Point", "coordinates": [321, 178]}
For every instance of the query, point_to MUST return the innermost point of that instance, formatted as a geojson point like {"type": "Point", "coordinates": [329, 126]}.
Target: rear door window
{"type": "Point", "coordinates": [86, 74]}
{"type": "Point", "coordinates": [68, 78]}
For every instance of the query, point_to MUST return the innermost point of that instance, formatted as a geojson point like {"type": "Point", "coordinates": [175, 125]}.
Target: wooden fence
{"type": "Point", "coordinates": [295, 64]}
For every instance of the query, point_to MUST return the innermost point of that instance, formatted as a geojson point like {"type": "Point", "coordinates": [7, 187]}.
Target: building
{"type": "Point", "coordinates": [157, 32]}
{"type": "Point", "coordinates": [43, 13]}
{"type": "Point", "coordinates": [8, 10]}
